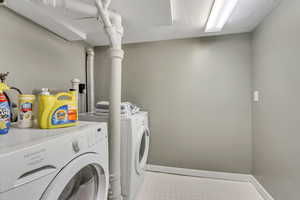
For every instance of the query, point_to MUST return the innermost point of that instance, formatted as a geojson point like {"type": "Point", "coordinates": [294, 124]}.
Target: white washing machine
{"type": "Point", "coordinates": [59, 164]}
{"type": "Point", "coordinates": [135, 140]}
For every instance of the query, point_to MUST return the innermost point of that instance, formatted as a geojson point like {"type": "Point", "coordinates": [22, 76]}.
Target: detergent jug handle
{"type": "Point", "coordinates": [64, 94]}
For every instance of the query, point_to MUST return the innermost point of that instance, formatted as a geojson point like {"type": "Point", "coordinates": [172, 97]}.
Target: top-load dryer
{"type": "Point", "coordinates": [135, 140]}
{"type": "Point", "coordinates": [59, 164]}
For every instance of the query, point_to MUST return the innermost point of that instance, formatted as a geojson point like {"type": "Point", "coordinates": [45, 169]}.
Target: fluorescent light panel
{"type": "Point", "coordinates": [220, 13]}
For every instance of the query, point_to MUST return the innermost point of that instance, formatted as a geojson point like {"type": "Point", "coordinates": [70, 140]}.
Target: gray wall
{"type": "Point", "coordinates": [276, 117]}
{"type": "Point", "coordinates": [198, 94]}
{"type": "Point", "coordinates": [35, 57]}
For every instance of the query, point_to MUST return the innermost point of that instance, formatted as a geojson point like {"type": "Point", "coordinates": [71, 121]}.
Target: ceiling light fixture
{"type": "Point", "coordinates": [220, 13]}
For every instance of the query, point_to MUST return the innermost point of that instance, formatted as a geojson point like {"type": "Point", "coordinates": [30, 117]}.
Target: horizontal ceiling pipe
{"type": "Point", "coordinates": [76, 6]}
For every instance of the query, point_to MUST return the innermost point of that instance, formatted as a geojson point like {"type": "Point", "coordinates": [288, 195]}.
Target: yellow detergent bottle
{"type": "Point", "coordinates": [57, 111]}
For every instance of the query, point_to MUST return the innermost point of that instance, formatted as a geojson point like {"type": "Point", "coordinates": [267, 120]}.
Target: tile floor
{"type": "Point", "coordinates": [162, 186]}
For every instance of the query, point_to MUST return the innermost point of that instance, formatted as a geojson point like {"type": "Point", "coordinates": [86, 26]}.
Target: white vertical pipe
{"type": "Point", "coordinates": [114, 29]}
{"type": "Point", "coordinates": [91, 79]}
{"type": "Point", "coordinates": [115, 123]}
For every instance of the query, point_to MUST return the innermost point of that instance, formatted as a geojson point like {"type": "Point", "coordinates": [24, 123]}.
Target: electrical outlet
{"type": "Point", "coordinates": [256, 96]}
{"type": "Point", "coordinates": [82, 88]}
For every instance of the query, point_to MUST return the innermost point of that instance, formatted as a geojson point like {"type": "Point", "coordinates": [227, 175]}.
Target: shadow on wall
{"type": "Point", "coordinates": [35, 57]}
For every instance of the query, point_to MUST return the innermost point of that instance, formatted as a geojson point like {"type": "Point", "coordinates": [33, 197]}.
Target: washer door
{"type": "Point", "coordinates": [83, 178]}
{"type": "Point", "coordinates": [142, 150]}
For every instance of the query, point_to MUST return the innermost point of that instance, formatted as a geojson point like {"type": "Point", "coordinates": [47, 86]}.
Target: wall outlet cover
{"type": "Point", "coordinates": [256, 96]}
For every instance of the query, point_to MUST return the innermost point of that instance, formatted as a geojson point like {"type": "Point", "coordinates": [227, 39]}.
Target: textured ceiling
{"type": "Point", "coordinates": [147, 20]}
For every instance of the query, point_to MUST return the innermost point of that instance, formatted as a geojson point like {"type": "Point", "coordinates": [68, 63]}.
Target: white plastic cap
{"type": "Point", "coordinates": [45, 91]}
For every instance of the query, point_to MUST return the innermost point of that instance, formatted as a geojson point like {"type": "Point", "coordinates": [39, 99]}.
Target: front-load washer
{"type": "Point", "coordinates": [135, 140]}
{"type": "Point", "coordinates": [58, 164]}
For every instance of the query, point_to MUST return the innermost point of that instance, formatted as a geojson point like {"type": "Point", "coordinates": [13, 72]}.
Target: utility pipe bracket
{"type": "Point", "coordinates": [116, 53]}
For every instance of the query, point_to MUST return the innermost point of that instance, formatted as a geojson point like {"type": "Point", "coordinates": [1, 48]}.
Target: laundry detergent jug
{"type": "Point", "coordinates": [57, 111]}
{"type": "Point", "coordinates": [5, 112]}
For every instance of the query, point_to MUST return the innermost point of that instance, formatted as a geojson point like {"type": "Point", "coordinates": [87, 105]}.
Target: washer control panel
{"type": "Point", "coordinates": [84, 142]}
{"type": "Point", "coordinates": [54, 149]}
{"type": "Point", "coordinates": [96, 136]}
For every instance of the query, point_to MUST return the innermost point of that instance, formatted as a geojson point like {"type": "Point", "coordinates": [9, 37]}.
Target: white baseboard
{"type": "Point", "coordinates": [213, 175]}
{"type": "Point", "coordinates": [200, 173]}
{"type": "Point", "coordinates": [260, 189]}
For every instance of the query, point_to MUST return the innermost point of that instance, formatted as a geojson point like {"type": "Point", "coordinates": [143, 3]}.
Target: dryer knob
{"type": "Point", "coordinates": [75, 146]}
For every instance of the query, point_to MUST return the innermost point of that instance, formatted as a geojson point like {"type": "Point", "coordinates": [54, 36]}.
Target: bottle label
{"type": "Point", "coordinates": [4, 115]}
{"type": "Point", "coordinates": [26, 106]}
{"type": "Point", "coordinates": [25, 112]}
{"type": "Point", "coordinates": [64, 115]}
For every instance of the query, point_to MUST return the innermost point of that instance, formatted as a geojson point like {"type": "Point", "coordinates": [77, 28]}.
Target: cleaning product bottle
{"type": "Point", "coordinates": [4, 111]}
{"type": "Point", "coordinates": [25, 114]}
{"type": "Point", "coordinates": [57, 111]}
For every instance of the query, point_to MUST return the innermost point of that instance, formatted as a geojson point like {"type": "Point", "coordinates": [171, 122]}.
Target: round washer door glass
{"type": "Point", "coordinates": [142, 150]}
{"type": "Point", "coordinates": [82, 186]}
{"type": "Point", "coordinates": [85, 177]}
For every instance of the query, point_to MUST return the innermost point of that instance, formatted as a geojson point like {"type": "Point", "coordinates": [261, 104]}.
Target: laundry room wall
{"type": "Point", "coordinates": [198, 93]}
{"type": "Point", "coordinates": [35, 57]}
{"type": "Point", "coordinates": [276, 124]}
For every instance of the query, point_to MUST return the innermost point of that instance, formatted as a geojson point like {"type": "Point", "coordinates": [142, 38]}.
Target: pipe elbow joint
{"type": "Point", "coordinates": [115, 18]}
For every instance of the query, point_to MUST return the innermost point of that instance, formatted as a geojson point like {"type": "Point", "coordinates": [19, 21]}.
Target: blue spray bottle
{"type": "Point", "coordinates": [5, 112]}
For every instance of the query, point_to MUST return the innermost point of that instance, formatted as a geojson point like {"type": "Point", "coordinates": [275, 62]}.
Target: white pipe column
{"type": "Point", "coordinates": [114, 29]}
{"type": "Point", "coordinates": [115, 123]}
{"type": "Point", "coordinates": [90, 79]}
